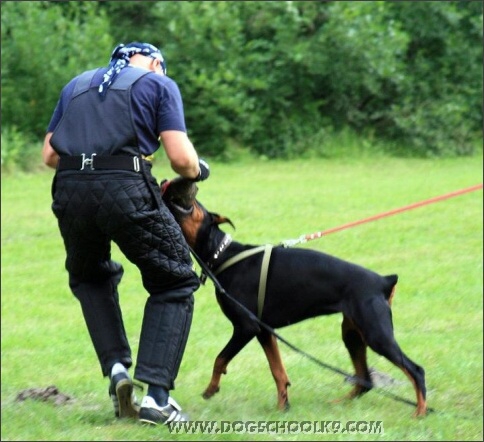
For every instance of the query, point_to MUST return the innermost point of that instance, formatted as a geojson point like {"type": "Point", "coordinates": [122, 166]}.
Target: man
{"type": "Point", "coordinates": [106, 126]}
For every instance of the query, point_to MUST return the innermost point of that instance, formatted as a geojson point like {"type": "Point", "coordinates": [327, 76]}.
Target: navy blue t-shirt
{"type": "Point", "coordinates": [156, 104]}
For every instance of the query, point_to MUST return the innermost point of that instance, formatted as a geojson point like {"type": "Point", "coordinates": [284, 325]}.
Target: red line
{"type": "Point", "coordinates": [394, 211]}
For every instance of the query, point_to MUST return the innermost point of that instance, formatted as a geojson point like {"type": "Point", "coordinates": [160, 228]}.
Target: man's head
{"type": "Point", "coordinates": [139, 54]}
{"type": "Point", "coordinates": [136, 50]}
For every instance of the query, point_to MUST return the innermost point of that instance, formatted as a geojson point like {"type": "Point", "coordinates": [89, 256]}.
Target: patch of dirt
{"type": "Point", "coordinates": [45, 394]}
{"type": "Point", "coordinates": [379, 379]}
{"type": "Point", "coordinates": [382, 379]}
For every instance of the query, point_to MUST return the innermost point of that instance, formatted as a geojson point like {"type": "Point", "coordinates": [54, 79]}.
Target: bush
{"type": "Point", "coordinates": [19, 151]}
{"type": "Point", "coordinates": [44, 45]}
{"type": "Point", "coordinates": [269, 76]}
{"type": "Point", "coordinates": [435, 129]}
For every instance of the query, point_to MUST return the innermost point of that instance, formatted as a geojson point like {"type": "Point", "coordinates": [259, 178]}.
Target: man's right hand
{"type": "Point", "coordinates": [204, 170]}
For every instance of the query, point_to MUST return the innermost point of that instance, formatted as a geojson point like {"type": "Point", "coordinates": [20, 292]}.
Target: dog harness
{"type": "Point", "coordinates": [267, 249]}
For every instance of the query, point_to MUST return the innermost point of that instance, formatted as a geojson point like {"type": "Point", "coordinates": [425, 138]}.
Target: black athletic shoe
{"type": "Point", "coordinates": [121, 390]}
{"type": "Point", "coordinates": [151, 413]}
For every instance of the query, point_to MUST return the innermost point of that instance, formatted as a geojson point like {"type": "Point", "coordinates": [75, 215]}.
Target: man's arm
{"type": "Point", "coordinates": [181, 153]}
{"type": "Point", "coordinates": [49, 155]}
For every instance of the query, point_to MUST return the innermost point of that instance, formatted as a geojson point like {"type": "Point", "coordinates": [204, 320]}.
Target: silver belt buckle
{"type": "Point", "coordinates": [87, 161]}
{"type": "Point", "coordinates": [136, 164]}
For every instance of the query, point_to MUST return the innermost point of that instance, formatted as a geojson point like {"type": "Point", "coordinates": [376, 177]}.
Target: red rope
{"type": "Point", "coordinates": [390, 212]}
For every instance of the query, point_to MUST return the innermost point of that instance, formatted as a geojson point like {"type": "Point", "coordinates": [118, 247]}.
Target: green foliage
{"type": "Point", "coordinates": [360, 66]}
{"type": "Point", "coordinates": [439, 110]}
{"type": "Point", "coordinates": [200, 36]}
{"type": "Point", "coordinates": [12, 147]}
{"type": "Point", "coordinates": [44, 45]}
{"type": "Point", "coordinates": [273, 75]}
{"type": "Point", "coordinates": [436, 128]}
{"type": "Point", "coordinates": [18, 150]}
{"type": "Point", "coordinates": [269, 76]}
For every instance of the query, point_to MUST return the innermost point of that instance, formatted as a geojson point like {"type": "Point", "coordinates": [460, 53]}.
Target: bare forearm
{"type": "Point", "coordinates": [49, 155]}
{"type": "Point", "coordinates": [181, 153]}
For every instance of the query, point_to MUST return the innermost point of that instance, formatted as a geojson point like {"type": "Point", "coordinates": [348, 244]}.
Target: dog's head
{"type": "Point", "coordinates": [179, 196]}
{"type": "Point", "coordinates": [198, 225]}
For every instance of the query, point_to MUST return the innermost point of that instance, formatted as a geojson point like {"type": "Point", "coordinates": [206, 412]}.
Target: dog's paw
{"type": "Point", "coordinates": [420, 412]}
{"type": "Point", "coordinates": [209, 392]}
{"type": "Point", "coordinates": [286, 406]}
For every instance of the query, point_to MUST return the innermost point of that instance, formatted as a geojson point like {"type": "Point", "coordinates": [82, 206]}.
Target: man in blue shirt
{"type": "Point", "coordinates": [106, 126]}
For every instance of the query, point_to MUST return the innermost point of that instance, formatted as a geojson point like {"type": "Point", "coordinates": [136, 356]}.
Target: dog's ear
{"type": "Point", "coordinates": [222, 219]}
{"type": "Point", "coordinates": [164, 185]}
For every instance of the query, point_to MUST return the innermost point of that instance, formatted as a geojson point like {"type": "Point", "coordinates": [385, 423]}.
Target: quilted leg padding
{"type": "Point", "coordinates": [102, 314]}
{"type": "Point", "coordinates": [164, 334]}
{"type": "Point", "coordinates": [95, 208]}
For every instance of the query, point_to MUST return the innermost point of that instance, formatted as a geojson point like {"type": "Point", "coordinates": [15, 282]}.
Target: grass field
{"type": "Point", "coordinates": [436, 250]}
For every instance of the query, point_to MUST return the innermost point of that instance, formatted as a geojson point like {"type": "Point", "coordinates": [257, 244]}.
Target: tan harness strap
{"type": "Point", "coordinates": [263, 279]}
{"type": "Point", "coordinates": [235, 259]}
{"type": "Point", "coordinates": [267, 249]}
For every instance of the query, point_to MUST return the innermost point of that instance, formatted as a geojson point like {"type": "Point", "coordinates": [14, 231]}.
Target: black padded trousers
{"type": "Point", "coordinates": [96, 207]}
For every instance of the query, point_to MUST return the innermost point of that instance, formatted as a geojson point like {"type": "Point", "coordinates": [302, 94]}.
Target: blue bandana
{"type": "Point", "coordinates": [120, 59]}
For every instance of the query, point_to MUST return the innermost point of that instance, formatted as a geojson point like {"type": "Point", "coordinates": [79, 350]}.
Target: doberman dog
{"type": "Point", "coordinates": [288, 285]}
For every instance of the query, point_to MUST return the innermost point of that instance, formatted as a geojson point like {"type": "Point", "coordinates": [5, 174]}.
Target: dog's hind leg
{"type": "Point", "coordinates": [376, 323]}
{"type": "Point", "coordinates": [269, 343]}
{"type": "Point", "coordinates": [240, 338]}
{"type": "Point", "coordinates": [356, 347]}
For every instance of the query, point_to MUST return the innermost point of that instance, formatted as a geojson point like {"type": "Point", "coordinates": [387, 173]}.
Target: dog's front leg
{"type": "Point", "coordinates": [240, 338]}
{"type": "Point", "coordinates": [219, 368]}
{"type": "Point", "coordinates": [271, 349]}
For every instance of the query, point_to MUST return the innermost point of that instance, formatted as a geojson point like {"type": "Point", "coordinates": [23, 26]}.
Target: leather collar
{"type": "Point", "coordinates": [226, 240]}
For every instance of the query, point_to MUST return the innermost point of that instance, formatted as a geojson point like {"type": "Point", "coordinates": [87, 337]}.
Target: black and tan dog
{"type": "Point", "coordinates": [286, 285]}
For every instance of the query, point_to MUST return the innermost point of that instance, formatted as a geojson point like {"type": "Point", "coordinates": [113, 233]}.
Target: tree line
{"type": "Point", "coordinates": [275, 77]}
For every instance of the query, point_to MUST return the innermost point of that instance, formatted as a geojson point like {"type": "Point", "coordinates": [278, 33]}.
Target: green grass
{"type": "Point", "coordinates": [436, 251]}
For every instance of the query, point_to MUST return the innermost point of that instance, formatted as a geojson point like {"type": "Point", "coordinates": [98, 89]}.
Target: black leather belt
{"type": "Point", "coordinates": [96, 162]}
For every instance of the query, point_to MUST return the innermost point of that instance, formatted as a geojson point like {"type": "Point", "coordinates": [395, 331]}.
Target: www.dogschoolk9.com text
{"type": "Point", "coordinates": [277, 427]}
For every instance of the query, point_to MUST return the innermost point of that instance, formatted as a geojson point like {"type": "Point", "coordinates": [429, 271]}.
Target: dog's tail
{"type": "Point", "coordinates": [389, 288]}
